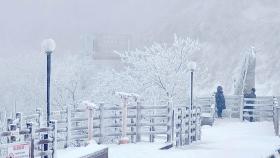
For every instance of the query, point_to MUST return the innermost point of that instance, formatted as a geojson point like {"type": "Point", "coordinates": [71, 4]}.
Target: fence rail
{"type": "Point", "coordinates": [144, 121]}
{"type": "Point", "coordinates": [30, 138]}
{"type": "Point", "coordinates": [262, 108]}
{"type": "Point", "coordinates": [103, 123]}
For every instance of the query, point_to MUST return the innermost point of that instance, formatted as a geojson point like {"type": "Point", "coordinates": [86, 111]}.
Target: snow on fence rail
{"type": "Point", "coordinates": [187, 129]}
{"type": "Point", "coordinates": [207, 105]}
{"type": "Point", "coordinates": [19, 141]}
{"type": "Point", "coordinates": [105, 123]}
{"type": "Point", "coordinates": [144, 123]}
{"type": "Point", "coordinates": [262, 108]}
{"type": "Point", "coordinates": [259, 109]}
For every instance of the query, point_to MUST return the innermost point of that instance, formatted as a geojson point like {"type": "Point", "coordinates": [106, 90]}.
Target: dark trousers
{"type": "Point", "coordinates": [220, 111]}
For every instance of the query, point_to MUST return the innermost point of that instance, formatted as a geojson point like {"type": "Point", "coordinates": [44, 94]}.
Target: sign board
{"type": "Point", "coordinates": [103, 45]}
{"type": "Point", "coordinates": [19, 150]}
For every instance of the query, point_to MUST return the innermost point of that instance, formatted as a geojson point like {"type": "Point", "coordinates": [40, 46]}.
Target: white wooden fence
{"type": "Point", "coordinates": [263, 108]}
{"type": "Point", "coordinates": [104, 123]}
{"type": "Point", "coordinates": [187, 125]}
{"type": "Point", "coordinates": [18, 136]}
{"type": "Point", "coordinates": [207, 106]}
{"type": "Point", "coordinates": [259, 109]}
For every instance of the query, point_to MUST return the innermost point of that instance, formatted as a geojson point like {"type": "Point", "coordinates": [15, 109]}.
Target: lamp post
{"type": "Point", "coordinates": [48, 46]}
{"type": "Point", "coordinates": [192, 67]}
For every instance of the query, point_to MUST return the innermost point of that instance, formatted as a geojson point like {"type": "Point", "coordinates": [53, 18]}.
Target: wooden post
{"type": "Point", "coordinates": [90, 123]}
{"type": "Point", "coordinates": [101, 125]}
{"type": "Point", "coordinates": [169, 122]}
{"type": "Point", "coordinates": [190, 125]}
{"type": "Point", "coordinates": [173, 126]}
{"type": "Point", "coordinates": [45, 146]}
{"type": "Point", "coordinates": [3, 120]}
{"type": "Point", "coordinates": [69, 127]}
{"type": "Point", "coordinates": [116, 130]}
{"type": "Point", "coordinates": [138, 122]}
{"type": "Point", "coordinates": [54, 135]}
{"type": "Point", "coordinates": [241, 108]}
{"type": "Point", "coordinates": [199, 124]}
{"type": "Point", "coordinates": [9, 121]}
{"type": "Point", "coordinates": [179, 127]}
{"type": "Point", "coordinates": [19, 120]}
{"type": "Point", "coordinates": [196, 137]}
{"type": "Point", "coordinates": [213, 108]}
{"type": "Point", "coordinates": [152, 129]}
{"type": "Point", "coordinates": [40, 117]}
{"type": "Point", "coordinates": [29, 126]}
{"type": "Point", "coordinates": [277, 119]}
{"type": "Point", "coordinates": [276, 116]}
{"type": "Point", "coordinates": [8, 128]}
{"type": "Point", "coordinates": [194, 124]}
{"type": "Point", "coordinates": [13, 138]}
{"type": "Point", "coordinates": [184, 138]}
{"type": "Point", "coordinates": [124, 139]}
{"type": "Point", "coordinates": [132, 137]}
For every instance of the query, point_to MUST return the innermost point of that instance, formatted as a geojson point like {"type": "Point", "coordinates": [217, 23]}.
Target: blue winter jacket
{"type": "Point", "coordinates": [220, 100]}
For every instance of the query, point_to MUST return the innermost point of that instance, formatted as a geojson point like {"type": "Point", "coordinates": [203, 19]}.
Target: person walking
{"type": "Point", "coordinates": [220, 101]}
{"type": "Point", "coordinates": [252, 94]}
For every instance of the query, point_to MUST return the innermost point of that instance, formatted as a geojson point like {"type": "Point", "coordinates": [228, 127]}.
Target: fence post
{"type": "Point", "coordinates": [152, 129]}
{"type": "Point", "coordinates": [241, 108]}
{"type": "Point", "coordinates": [9, 121]}
{"type": "Point", "coordinates": [53, 124]}
{"type": "Point", "coordinates": [198, 124]}
{"type": "Point", "coordinates": [138, 122]}
{"type": "Point", "coordinates": [40, 117]}
{"type": "Point", "coordinates": [276, 116]}
{"type": "Point", "coordinates": [18, 120]}
{"type": "Point", "coordinates": [277, 119]}
{"type": "Point", "coordinates": [195, 124]}
{"type": "Point", "coordinates": [124, 139]}
{"type": "Point", "coordinates": [3, 120]}
{"type": "Point", "coordinates": [213, 107]}
{"type": "Point", "coordinates": [190, 125]}
{"type": "Point", "coordinates": [90, 123]}
{"type": "Point", "coordinates": [169, 122]}
{"type": "Point", "coordinates": [30, 127]}
{"type": "Point", "coordinates": [8, 126]}
{"type": "Point", "coordinates": [101, 125]}
{"type": "Point", "coordinates": [68, 134]}
{"type": "Point", "coordinates": [13, 138]}
{"type": "Point", "coordinates": [132, 131]}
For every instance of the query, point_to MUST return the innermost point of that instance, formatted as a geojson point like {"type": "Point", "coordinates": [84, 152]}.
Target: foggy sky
{"type": "Point", "coordinates": [25, 23]}
{"type": "Point", "coordinates": [225, 29]}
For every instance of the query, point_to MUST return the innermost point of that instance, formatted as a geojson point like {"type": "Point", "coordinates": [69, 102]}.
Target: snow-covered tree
{"type": "Point", "coordinates": [157, 72]}
{"type": "Point", "coordinates": [71, 80]}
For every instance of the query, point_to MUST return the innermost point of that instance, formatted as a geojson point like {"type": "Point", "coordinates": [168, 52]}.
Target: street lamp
{"type": "Point", "coordinates": [48, 46]}
{"type": "Point", "coordinates": [192, 67]}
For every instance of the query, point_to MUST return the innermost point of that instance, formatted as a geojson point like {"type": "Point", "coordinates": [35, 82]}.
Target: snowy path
{"type": "Point", "coordinates": [226, 139]}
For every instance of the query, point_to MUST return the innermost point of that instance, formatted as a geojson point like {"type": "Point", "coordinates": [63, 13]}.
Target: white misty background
{"type": "Point", "coordinates": [224, 29]}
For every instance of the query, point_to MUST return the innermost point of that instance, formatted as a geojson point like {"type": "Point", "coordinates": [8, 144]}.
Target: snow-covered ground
{"type": "Point", "coordinates": [227, 138]}
{"type": "Point", "coordinates": [79, 152]}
